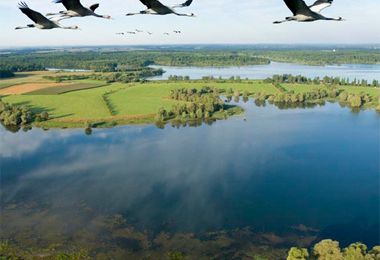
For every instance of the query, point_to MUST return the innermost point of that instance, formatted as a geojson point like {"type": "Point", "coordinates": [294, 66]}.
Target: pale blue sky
{"type": "Point", "coordinates": [217, 21]}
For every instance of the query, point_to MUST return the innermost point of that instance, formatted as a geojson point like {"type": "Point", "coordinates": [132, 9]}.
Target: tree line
{"type": "Point", "coordinates": [121, 61]}
{"type": "Point", "coordinates": [133, 75]}
{"type": "Point", "coordinates": [285, 98]}
{"type": "Point", "coordinates": [299, 79]}
{"type": "Point", "coordinates": [322, 57]}
{"type": "Point", "coordinates": [118, 61]}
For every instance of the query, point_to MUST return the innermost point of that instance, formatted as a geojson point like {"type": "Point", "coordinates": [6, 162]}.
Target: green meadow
{"type": "Point", "coordinates": [93, 101]}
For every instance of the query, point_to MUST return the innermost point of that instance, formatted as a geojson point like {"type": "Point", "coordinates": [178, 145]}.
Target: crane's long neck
{"type": "Point", "coordinates": [188, 15]}
{"type": "Point", "coordinates": [102, 16]}
{"type": "Point", "coordinates": [60, 13]}
{"type": "Point", "coordinates": [141, 12]}
{"type": "Point", "coordinates": [334, 19]}
{"type": "Point", "coordinates": [25, 27]}
{"type": "Point", "coordinates": [70, 27]}
{"type": "Point", "coordinates": [287, 19]}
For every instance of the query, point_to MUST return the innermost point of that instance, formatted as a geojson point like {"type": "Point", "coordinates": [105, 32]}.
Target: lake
{"type": "Point", "coordinates": [277, 177]}
{"type": "Point", "coordinates": [351, 71]}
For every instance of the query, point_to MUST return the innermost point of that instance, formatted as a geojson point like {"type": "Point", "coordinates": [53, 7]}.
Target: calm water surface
{"type": "Point", "coordinates": [278, 172]}
{"type": "Point", "coordinates": [351, 71]}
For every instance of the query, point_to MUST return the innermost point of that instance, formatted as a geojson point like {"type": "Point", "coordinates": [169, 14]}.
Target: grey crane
{"type": "Point", "coordinates": [155, 7]}
{"type": "Point", "coordinates": [40, 21]}
{"type": "Point", "coordinates": [74, 8]}
{"type": "Point", "coordinates": [303, 13]}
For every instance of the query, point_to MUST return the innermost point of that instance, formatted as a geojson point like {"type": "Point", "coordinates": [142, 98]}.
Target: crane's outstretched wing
{"type": "Point", "coordinates": [153, 4]}
{"type": "Point", "coordinates": [70, 4]}
{"type": "Point", "coordinates": [94, 7]}
{"type": "Point", "coordinates": [185, 4]}
{"type": "Point", "coordinates": [298, 7]}
{"type": "Point", "coordinates": [33, 15]}
{"type": "Point", "coordinates": [319, 5]}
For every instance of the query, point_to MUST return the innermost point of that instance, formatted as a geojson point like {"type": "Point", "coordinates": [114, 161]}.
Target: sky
{"type": "Point", "coordinates": [217, 22]}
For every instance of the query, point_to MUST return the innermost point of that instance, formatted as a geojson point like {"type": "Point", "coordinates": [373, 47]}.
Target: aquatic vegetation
{"type": "Point", "coordinates": [328, 249]}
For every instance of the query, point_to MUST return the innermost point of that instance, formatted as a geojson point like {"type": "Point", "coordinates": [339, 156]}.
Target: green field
{"type": "Point", "coordinates": [131, 103]}
{"type": "Point", "coordinates": [302, 88]}
{"type": "Point", "coordinates": [127, 99]}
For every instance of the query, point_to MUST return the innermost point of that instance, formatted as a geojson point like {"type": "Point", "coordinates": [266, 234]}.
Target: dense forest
{"type": "Point", "coordinates": [323, 57]}
{"type": "Point", "coordinates": [120, 61]}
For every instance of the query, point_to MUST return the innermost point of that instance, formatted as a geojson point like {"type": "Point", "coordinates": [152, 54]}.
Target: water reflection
{"type": "Point", "coordinates": [286, 174]}
{"type": "Point", "coordinates": [351, 71]}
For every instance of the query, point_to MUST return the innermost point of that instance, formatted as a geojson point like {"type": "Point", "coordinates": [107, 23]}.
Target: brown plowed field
{"type": "Point", "coordinates": [28, 87]}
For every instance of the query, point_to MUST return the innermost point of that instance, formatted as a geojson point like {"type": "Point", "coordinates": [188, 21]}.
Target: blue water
{"type": "Point", "coordinates": [351, 71]}
{"type": "Point", "coordinates": [271, 170]}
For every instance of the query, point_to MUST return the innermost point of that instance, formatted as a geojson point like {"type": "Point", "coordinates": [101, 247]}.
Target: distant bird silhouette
{"type": "Point", "coordinates": [76, 9]}
{"type": "Point", "coordinates": [157, 8]}
{"type": "Point", "coordinates": [120, 33]}
{"type": "Point", "coordinates": [40, 21]}
{"type": "Point", "coordinates": [149, 33]}
{"type": "Point", "coordinates": [131, 32]}
{"type": "Point", "coordinates": [139, 31]}
{"type": "Point", "coordinates": [166, 33]}
{"type": "Point", "coordinates": [177, 31]}
{"type": "Point", "coordinates": [303, 13]}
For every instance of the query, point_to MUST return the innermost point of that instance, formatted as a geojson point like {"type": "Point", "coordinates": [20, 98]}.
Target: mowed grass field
{"type": "Point", "coordinates": [83, 104]}
{"type": "Point", "coordinates": [148, 98]}
{"type": "Point", "coordinates": [131, 101]}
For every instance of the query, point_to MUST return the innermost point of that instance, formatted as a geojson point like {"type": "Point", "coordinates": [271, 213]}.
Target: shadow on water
{"type": "Point", "coordinates": [358, 230]}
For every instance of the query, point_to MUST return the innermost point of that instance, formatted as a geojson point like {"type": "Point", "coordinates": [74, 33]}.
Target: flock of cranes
{"type": "Point", "coordinates": [136, 31]}
{"type": "Point", "coordinates": [74, 8]}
